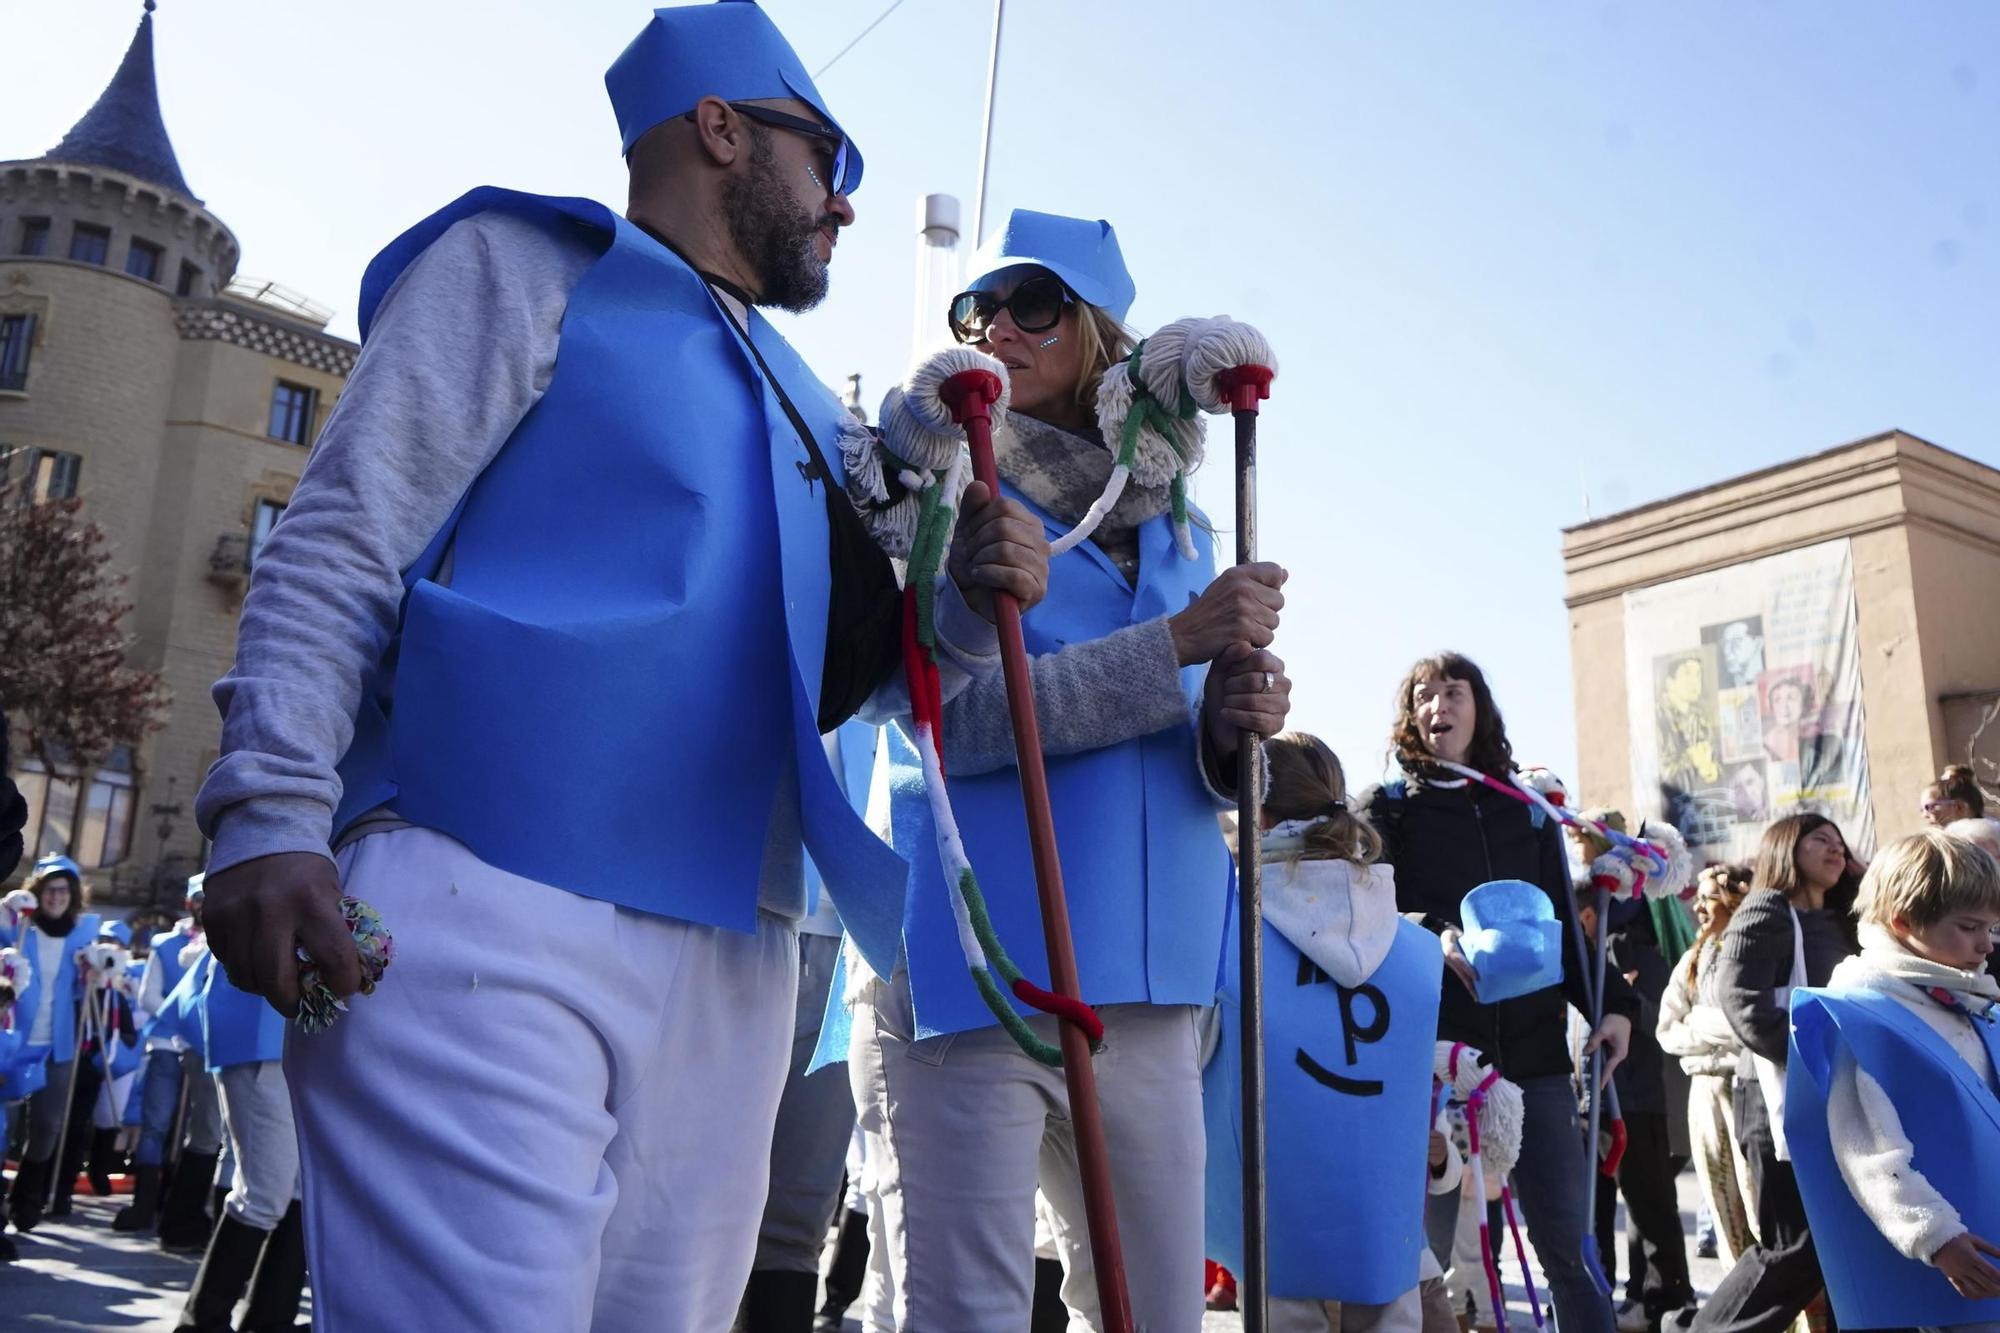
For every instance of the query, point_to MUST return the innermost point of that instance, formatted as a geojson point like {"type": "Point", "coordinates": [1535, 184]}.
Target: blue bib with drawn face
{"type": "Point", "coordinates": [1347, 1116]}
{"type": "Point", "coordinates": [1949, 1114]}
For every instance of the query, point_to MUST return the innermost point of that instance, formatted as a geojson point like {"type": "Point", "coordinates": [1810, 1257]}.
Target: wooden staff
{"type": "Point", "coordinates": [970, 395]}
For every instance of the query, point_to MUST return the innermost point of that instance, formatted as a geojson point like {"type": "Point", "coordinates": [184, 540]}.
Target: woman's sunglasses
{"type": "Point", "coordinates": [1036, 306]}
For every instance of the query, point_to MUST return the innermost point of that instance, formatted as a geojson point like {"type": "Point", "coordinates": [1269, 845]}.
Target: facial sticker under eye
{"type": "Point", "coordinates": [815, 175]}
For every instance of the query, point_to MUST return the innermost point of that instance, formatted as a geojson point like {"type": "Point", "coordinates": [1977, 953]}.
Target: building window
{"type": "Point", "coordinates": [190, 279]}
{"type": "Point", "coordinates": [261, 523]}
{"type": "Point", "coordinates": [90, 821]}
{"type": "Point", "coordinates": [42, 474]}
{"type": "Point", "coordinates": [34, 236]}
{"type": "Point", "coordinates": [17, 339]}
{"type": "Point", "coordinates": [143, 260]}
{"type": "Point", "coordinates": [291, 412]}
{"type": "Point", "coordinates": [88, 244]}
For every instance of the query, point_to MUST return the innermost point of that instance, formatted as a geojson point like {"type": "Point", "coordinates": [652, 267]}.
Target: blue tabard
{"type": "Point", "coordinates": [1951, 1117]}
{"type": "Point", "coordinates": [238, 1028]}
{"type": "Point", "coordinates": [1347, 1116]}
{"type": "Point", "coordinates": [20, 1075]}
{"type": "Point", "coordinates": [167, 947]}
{"type": "Point", "coordinates": [645, 545]}
{"type": "Point", "coordinates": [1144, 866]}
{"type": "Point", "coordinates": [181, 1012]}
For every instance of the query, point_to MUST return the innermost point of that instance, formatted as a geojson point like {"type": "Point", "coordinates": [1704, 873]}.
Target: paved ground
{"type": "Point", "coordinates": [77, 1273]}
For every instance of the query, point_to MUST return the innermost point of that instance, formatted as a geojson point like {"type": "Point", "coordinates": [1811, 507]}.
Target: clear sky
{"type": "Point", "coordinates": [1511, 255]}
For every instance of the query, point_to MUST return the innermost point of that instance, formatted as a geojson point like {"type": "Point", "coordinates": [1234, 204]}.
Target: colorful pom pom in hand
{"type": "Point", "coordinates": [318, 1005]}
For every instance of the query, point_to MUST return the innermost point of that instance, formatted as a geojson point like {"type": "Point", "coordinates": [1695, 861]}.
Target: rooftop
{"type": "Point", "coordinates": [123, 129]}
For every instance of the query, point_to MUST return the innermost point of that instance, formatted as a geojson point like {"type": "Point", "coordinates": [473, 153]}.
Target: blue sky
{"type": "Point", "coordinates": [1510, 255]}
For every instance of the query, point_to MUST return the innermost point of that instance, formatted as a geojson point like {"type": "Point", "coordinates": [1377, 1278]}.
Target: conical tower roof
{"type": "Point", "coordinates": [123, 128]}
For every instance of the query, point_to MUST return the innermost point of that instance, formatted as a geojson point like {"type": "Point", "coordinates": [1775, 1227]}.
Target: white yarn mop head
{"type": "Point", "coordinates": [15, 970]}
{"type": "Point", "coordinates": [103, 956]}
{"type": "Point", "coordinates": [1547, 783]}
{"type": "Point", "coordinates": [1156, 456]}
{"type": "Point", "coordinates": [1501, 1112]}
{"type": "Point", "coordinates": [1211, 346]}
{"type": "Point", "coordinates": [1613, 873]}
{"type": "Point", "coordinates": [921, 388]}
{"type": "Point", "coordinates": [18, 905]}
{"type": "Point", "coordinates": [909, 437]}
{"type": "Point", "coordinates": [1675, 878]}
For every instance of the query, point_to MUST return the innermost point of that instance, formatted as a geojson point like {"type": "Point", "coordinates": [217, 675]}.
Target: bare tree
{"type": "Point", "coordinates": [64, 677]}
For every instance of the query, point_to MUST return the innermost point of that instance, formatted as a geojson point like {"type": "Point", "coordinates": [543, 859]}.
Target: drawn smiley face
{"type": "Point", "coordinates": [1355, 1031]}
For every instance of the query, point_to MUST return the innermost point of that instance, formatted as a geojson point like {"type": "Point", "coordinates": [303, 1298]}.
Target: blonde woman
{"type": "Point", "coordinates": [1693, 1028]}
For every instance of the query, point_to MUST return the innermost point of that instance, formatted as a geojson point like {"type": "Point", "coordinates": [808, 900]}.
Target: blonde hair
{"type": "Point", "coordinates": [1105, 342]}
{"type": "Point", "coordinates": [1926, 877]}
{"type": "Point", "coordinates": [1307, 784]}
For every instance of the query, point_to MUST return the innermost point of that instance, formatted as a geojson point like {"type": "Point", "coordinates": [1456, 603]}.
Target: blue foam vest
{"type": "Point", "coordinates": [181, 1012]}
{"type": "Point", "coordinates": [237, 1028]}
{"type": "Point", "coordinates": [22, 1070]}
{"type": "Point", "coordinates": [1347, 1120]}
{"type": "Point", "coordinates": [167, 948]}
{"type": "Point", "coordinates": [1948, 1113]}
{"type": "Point", "coordinates": [1144, 865]}
{"type": "Point", "coordinates": [68, 984]}
{"type": "Point", "coordinates": [646, 536]}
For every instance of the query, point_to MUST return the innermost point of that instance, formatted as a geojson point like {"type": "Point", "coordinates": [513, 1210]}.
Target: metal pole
{"type": "Point", "coordinates": [84, 1023]}
{"type": "Point", "coordinates": [1253, 1281]}
{"type": "Point", "coordinates": [986, 127]}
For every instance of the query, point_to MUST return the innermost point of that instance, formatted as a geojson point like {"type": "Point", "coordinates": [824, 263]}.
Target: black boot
{"type": "Point", "coordinates": [1049, 1314]}
{"type": "Point", "coordinates": [847, 1273]}
{"type": "Point", "coordinates": [225, 1272]}
{"type": "Point", "coordinates": [280, 1278]}
{"type": "Point", "coordinates": [71, 1166]}
{"type": "Point", "coordinates": [30, 1192]}
{"type": "Point", "coordinates": [779, 1302]}
{"type": "Point", "coordinates": [104, 1159]}
{"type": "Point", "coordinates": [8, 1254]}
{"type": "Point", "coordinates": [184, 1221]}
{"type": "Point", "coordinates": [143, 1213]}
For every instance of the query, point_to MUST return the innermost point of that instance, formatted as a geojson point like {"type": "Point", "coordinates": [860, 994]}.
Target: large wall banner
{"type": "Point", "coordinates": [1744, 693]}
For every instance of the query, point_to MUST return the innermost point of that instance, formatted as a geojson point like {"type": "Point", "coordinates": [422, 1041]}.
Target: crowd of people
{"type": "Point", "coordinates": [659, 988]}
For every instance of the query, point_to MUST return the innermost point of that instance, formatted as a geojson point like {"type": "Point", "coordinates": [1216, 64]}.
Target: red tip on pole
{"type": "Point", "coordinates": [969, 393]}
{"type": "Point", "coordinates": [1245, 386]}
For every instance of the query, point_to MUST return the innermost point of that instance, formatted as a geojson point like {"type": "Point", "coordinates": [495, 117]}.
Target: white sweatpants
{"type": "Point", "coordinates": [554, 1113]}
{"type": "Point", "coordinates": [963, 1127]}
{"type": "Point", "coordinates": [263, 1143]}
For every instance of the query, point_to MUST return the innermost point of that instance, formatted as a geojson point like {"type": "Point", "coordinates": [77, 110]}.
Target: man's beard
{"type": "Point", "coordinates": [779, 239]}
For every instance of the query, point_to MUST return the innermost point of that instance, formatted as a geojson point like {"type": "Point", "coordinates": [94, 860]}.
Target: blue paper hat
{"type": "Point", "coordinates": [116, 930]}
{"type": "Point", "coordinates": [1511, 939]}
{"type": "Point", "coordinates": [729, 49]}
{"type": "Point", "coordinates": [56, 865]}
{"type": "Point", "coordinates": [195, 891]}
{"type": "Point", "coordinates": [1083, 253]}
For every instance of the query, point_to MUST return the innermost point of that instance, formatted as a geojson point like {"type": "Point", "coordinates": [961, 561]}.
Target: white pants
{"type": "Point", "coordinates": [963, 1127]}
{"type": "Point", "coordinates": [554, 1113]}
{"type": "Point", "coordinates": [264, 1145]}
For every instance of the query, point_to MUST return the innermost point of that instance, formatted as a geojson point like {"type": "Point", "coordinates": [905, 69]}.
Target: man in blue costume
{"type": "Point", "coordinates": [538, 663]}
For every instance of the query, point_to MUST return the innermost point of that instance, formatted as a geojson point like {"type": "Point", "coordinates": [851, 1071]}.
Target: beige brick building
{"type": "Point", "coordinates": [1921, 528]}
{"type": "Point", "coordinates": [177, 400]}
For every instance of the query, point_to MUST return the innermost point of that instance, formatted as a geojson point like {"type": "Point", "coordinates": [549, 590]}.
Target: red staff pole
{"type": "Point", "coordinates": [1244, 387]}
{"type": "Point", "coordinates": [970, 395]}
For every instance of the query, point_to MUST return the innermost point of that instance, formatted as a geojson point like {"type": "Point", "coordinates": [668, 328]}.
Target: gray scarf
{"type": "Point", "coordinates": [1064, 472]}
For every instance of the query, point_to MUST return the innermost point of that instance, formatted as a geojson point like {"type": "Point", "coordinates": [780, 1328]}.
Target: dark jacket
{"type": "Point", "coordinates": [1446, 841]}
{"type": "Point", "coordinates": [1755, 958]}
{"type": "Point", "coordinates": [13, 810]}
{"type": "Point", "coordinates": [1642, 1079]}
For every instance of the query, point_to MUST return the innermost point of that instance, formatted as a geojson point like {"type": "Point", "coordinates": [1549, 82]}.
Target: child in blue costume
{"type": "Point", "coordinates": [1350, 1010]}
{"type": "Point", "coordinates": [1892, 1111]}
{"type": "Point", "coordinates": [1139, 731]}
{"type": "Point", "coordinates": [538, 665]}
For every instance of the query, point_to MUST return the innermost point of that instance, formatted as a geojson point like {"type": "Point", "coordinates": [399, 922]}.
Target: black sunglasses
{"type": "Point", "coordinates": [841, 160]}
{"type": "Point", "coordinates": [1036, 306]}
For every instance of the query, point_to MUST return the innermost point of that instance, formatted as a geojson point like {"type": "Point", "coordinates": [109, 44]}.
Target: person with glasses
{"type": "Point", "coordinates": [1145, 664]}
{"type": "Point", "coordinates": [538, 664]}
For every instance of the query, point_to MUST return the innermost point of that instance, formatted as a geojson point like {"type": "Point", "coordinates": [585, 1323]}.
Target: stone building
{"type": "Point", "coordinates": [1849, 649]}
{"type": "Point", "coordinates": [140, 373]}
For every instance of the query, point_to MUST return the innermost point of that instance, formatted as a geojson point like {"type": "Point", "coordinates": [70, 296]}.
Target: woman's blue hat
{"type": "Point", "coordinates": [1511, 939]}
{"type": "Point", "coordinates": [56, 865]}
{"type": "Point", "coordinates": [1083, 253]}
{"type": "Point", "coordinates": [117, 930]}
{"type": "Point", "coordinates": [729, 49]}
